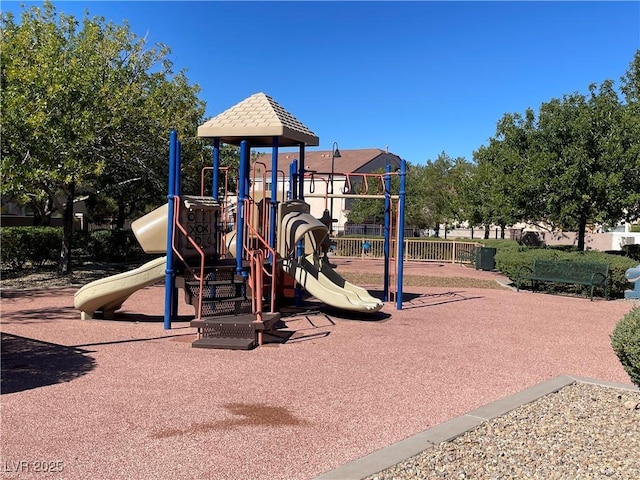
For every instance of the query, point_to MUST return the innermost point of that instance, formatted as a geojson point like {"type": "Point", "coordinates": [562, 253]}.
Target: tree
{"type": "Point", "coordinates": [630, 138]}
{"type": "Point", "coordinates": [135, 177]}
{"type": "Point", "coordinates": [502, 190]}
{"type": "Point", "coordinates": [433, 192]}
{"type": "Point", "coordinates": [427, 194]}
{"type": "Point", "coordinates": [88, 107]}
{"type": "Point", "coordinates": [574, 164]}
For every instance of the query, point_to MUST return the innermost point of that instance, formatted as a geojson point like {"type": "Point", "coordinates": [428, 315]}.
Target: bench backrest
{"type": "Point", "coordinates": [570, 270]}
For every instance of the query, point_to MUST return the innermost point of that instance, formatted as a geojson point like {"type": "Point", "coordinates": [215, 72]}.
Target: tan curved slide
{"type": "Point", "coordinates": [151, 230]}
{"type": "Point", "coordinates": [107, 294]}
{"type": "Point", "coordinates": [314, 275]}
{"type": "Point", "coordinates": [326, 285]}
{"type": "Point", "coordinates": [296, 223]}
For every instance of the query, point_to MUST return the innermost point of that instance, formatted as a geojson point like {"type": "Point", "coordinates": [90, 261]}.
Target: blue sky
{"type": "Point", "coordinates": [418, 77]}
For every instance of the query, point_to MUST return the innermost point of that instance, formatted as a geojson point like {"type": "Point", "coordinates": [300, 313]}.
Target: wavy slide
{"type": "Point", "coordinates": [326, 285]}
{"type": "Point", "coordinates": [314, 275]}
{"type": "Point", "coordinates": [107, 294]}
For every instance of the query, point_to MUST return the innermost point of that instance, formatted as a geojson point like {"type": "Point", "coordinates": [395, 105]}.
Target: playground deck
{"type": "Point", "coordinates": [126, 399]}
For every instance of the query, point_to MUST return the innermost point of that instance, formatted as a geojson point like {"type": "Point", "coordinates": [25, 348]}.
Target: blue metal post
{"type": "Point", "coordinates": [243, 181]}
{"type": "Point", "coordinates": [169, 271]}
{"type": "Point", "coordinates": [300, 196]}
{"type": "Point", "coordinates": [400, 259]}
{"type": "Point", "coordinates": [292, 194]}
{"type": "Point", "coordinates": [301, 174]}
{"type": "Point", "coordinates": [215, 164]}
{"type": "Point", "coordinates": [177, 189]}
{"type": "Point", "coordinates": [274, 195]}
{"type": "Point", "coordinates": [387, 231]}
{"type": "Point", "coordinates": [177, 177]}
{"type": "Point", "coordinates": [216, 168]}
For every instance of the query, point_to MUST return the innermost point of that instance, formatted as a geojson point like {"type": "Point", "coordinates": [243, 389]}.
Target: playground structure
{"type": "Point", "coordinates": [233, 278]}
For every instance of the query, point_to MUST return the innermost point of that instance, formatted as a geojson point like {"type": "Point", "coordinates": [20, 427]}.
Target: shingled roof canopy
{"type": "Point", "coordinates": [258, 119]}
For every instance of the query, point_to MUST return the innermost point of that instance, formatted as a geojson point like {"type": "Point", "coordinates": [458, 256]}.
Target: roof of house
{"type": "Point", "coordinates": [258, 119]}
{"type": "Point", "coordinates": [350, 161]}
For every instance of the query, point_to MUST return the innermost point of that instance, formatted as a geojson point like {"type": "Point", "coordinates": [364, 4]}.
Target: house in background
{"type": "Point", "coordinates": [318, 180]}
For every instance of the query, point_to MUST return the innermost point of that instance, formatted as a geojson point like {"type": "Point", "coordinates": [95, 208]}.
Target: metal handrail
{"type": "Point", "coordinates": [256, 258]}
{"type": "Point", "coordinates": [264, 247]}
{"type": "Point", "coordinates": [199, 250]}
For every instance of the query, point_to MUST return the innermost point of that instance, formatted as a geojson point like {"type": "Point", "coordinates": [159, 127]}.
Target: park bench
{"type": "Point", "coordinates": [566, 271]}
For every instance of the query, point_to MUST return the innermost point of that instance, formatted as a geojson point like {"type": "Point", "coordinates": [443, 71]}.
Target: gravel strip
{"type": "Point", "coordinates": [582, 431]}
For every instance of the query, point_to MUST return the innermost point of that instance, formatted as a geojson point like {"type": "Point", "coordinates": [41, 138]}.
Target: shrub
{"type": "Point", "coordinates": [625, 342]}
{"type": "Point", "coordinates": [531, 239]}
{"type": "Point", "coordinates": [632, 251]}
{"type": "Point", "coordinates": [617, 267]}
{"type": "Point", "coordinates": [44, 244]}
{"type": "Point", "coordinates": [113, 246]}
{"type": "Point", "coordinates": [12, 256]}
{"type": "Point", "coordinates": [499, 244]}
{"type": "Point", "coordinates": [80, 244]}
{"type": "Point", "coordinates": [29, 245]}
{"type": "Point", "coordinates": [510, 260]}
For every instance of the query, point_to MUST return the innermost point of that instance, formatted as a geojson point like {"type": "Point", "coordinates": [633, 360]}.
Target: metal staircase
{"type": "Point", "coordinates": [228, 314]}
{"type": "Point", "coordinates": [227, 320]}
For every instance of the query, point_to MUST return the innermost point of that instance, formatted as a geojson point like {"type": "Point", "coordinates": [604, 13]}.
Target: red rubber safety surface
{"type": "Point", "coordinates": [126, 399]}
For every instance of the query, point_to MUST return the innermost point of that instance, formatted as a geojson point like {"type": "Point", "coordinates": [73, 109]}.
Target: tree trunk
{"type": "Point", "coordinates": [38, 219]}
{"type": "Point", "coordinates": [487, 232]}
{"type": "Point", "coordinates": [582, 228]}
{"type": "Point", "coordinates": [64, 265]}
{"type": "Point", "coordinates": [42, 211]}
{"type": "Point", "coordinates": [120, 218]}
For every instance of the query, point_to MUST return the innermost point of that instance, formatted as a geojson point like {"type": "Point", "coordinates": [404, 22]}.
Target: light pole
{"type": "Point", "coordinates": [335, 153]}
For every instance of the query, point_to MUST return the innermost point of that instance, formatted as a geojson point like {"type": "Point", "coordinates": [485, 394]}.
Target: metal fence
{"type": "Point", "coordinates": [414, 249]}
{"type": "Point", "coordinates": [374, 229]}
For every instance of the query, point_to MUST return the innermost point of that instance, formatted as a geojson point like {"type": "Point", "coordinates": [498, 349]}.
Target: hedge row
{"type": "Point", "coordinates": [29, 245]}
{"type": "Point", "coordinates": [113, 246]}
{"type": "Point", "coordinates": [510, 257]}
{"type": "Point", "coordinates": [36, 246]}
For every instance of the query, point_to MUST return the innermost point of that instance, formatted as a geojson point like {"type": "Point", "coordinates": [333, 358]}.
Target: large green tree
{"type": "Point", "coordinates": [434, 192]}
{"type": "Point", "coordinates": [573, 164]}
{"type": "Point", "coordinates": [501, 190]}
{"type": "Point", "coordinates": [87, 106]}
{"type": "Point", "coordinates": [629, 132]}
